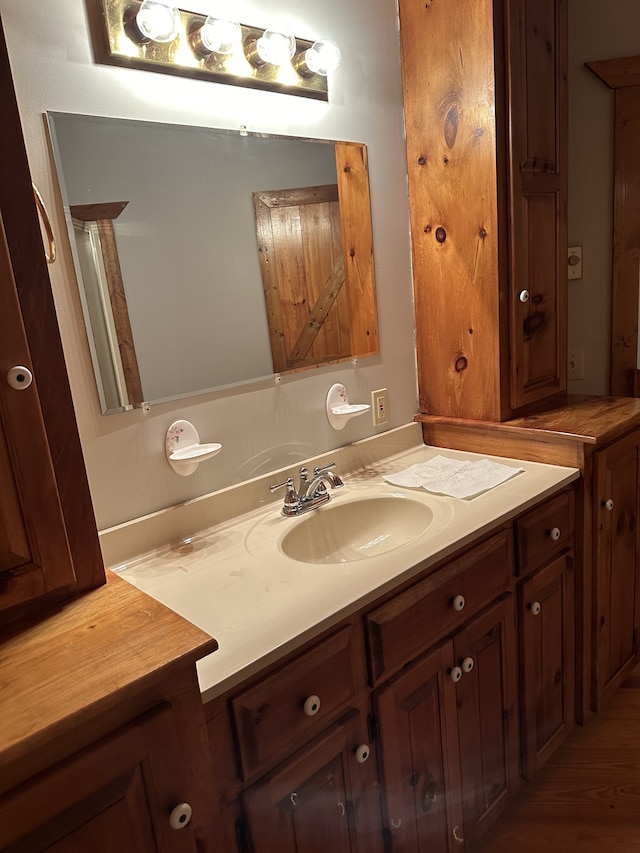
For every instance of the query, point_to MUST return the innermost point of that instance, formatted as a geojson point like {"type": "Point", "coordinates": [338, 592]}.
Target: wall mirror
{"type": "Point", "coordinates": [208, 258]}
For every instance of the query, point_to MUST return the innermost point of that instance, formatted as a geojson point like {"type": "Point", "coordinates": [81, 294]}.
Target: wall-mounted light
{"type": "Point", "coordinates": [215, 35]}
{"type": "Point", "coordinates": [153, 21]}
{"type": "Point", "coordinates": [274, 47]}
{"type": "Point", "coordinates": [323, 57]}
{"type": "Point", "coordinates": [155, 35]}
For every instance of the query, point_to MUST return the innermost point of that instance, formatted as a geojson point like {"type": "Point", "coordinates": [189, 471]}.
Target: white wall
{"type": "Point", "coordinates": [596, 31]}
{"type": "Point", "coordinates": [266, 426]}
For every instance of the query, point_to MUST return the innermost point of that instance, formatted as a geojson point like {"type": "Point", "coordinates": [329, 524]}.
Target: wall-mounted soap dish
{"type": "Point", "coordinates": [339, 409]}
{"type": "Point", "coordinates": [183, 448]}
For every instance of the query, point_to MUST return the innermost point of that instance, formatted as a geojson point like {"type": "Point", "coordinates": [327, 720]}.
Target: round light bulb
{"type": "Point", "coordinates": [323, 57]}
{"type": "Point", "coordinates": [220, 36]}
{"type": "Point", "coordinates": [276, 46]}
{"type": "Point", "coordinates": [158, 21]}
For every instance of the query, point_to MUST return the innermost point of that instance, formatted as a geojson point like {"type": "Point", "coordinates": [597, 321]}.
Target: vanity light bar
{"type": "Point", "coordinates": [122, 34]}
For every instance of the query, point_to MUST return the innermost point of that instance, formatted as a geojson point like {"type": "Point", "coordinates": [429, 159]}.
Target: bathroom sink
{"type": "Point", "coordinates": [356, 530]}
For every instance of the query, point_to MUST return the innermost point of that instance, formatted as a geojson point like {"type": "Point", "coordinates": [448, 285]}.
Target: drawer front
{"type": "Point", "coordinates": [425, 613]}
{"type": "Point", "coordinates": [544, 532]}
{"type": "Point", "coordinates": [282, 711]}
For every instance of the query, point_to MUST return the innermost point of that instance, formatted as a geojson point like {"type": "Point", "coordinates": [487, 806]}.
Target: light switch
{"type": "Point", "coordinates": [575, 262]}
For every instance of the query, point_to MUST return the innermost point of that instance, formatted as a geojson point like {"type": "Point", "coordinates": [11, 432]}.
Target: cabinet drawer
{"type": "Point", "coordinates": [544, 532]}
{"type": "Point", "coordinates": [413, 621]}
{"type": "Point", "coordinates": [285, 709]}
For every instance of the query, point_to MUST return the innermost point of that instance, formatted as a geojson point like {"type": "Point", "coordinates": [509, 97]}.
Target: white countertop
{"type": "Point", "coordinates": [232, 580]}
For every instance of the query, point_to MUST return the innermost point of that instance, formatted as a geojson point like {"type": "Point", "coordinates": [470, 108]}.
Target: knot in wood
{"type": "Point", "coordinates": [428, 229]}
{"type": "Point", "coordinates": [461, 364]}
{"type": "Point", "coordinates": [441, 234]}
{"type": "Point", "coordinates": [483, 233]}
{"type": "Point", "coordinates": [422, 161]}
{"type": "Point", "coordinates": [352, 253]}
{"type": "Point", "coordinates": [347, 169]}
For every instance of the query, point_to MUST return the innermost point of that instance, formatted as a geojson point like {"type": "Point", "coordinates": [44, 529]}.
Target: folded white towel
{"type": "Point", "coordinates": [452, 477]}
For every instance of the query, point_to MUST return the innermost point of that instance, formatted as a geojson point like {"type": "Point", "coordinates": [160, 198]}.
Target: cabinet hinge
{"type": "Point", "coordinates": [373, 727]}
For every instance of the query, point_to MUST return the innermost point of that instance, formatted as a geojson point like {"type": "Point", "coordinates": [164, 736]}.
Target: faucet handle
{"type": "Point", "coordinates": [336, 480]}
{"type": "Point", "coordinates": [320, 469]}
{"type": "Point", "coordinates": [291, 499]}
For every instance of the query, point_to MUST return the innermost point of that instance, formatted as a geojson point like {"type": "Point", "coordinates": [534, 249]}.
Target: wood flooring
{"type": "Point", "coordinates": [586, 799]}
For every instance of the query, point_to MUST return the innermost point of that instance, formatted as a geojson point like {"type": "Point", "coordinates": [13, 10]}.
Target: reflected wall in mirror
{"type": "Point", "coordinates": [183, 289]}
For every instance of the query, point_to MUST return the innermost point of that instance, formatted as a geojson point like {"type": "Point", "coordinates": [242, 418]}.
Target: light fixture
{"type": "Point", "coordinates": [155, 35]}
{"type": "Point", "coordinates": [215, 35]}
{"type": "Point", "coordinates": [156, 21]}
{"type": "Point", "coordinates": [323, 57]}
{"type": "Point", "coordinates": [274, 47]}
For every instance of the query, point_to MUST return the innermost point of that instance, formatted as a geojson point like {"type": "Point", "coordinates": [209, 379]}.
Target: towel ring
{"type": "Point", "coordinates": [42, 210]}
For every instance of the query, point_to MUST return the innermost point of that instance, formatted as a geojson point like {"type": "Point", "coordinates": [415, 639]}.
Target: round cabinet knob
{"type": "Point", "coordinates": [362, 753]}
{"type": "Point", "coordinates": [455, 674]}
{"type": "Point", "coordinates": [467, 664]}
{"type": "Point", "coordinates": [555, 533]}
{"type": "Point", "coordinates": [311, 705]}
{"type": "Point", "coordinates": [180, 816]}
{"type": "Point", "coordinates": [535, 607]}
{"type": "Point", "coordinates": [608, 505]}
{"type": "Point", "coordinates": [458, 602]}
{"type": "Point", "coordinates": [19, 377]}
{"type": "Point", "coordinates": [523, 296]}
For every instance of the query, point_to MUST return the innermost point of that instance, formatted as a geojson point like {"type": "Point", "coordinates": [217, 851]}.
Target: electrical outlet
{"type": "Point", "coordinates": [380, 406]}
{"type": "Point", "coordinates": [576, 363]}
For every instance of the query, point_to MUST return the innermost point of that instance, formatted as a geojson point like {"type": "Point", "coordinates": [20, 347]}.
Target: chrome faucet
{"type": "Point", "coordinates": [311, 493]}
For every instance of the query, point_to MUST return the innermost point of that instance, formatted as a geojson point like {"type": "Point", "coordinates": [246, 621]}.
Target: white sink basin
{"type": "Point", "coordinates": [356, 530]}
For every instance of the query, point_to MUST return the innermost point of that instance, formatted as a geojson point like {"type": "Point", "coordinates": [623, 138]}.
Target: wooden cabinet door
{"type": "Point", "coordinates": [486, 697]}
{"type": "Point", "coordinates": [547, 667]}
{"type": "Point", "coordinates": [615, 513]}
{"type": "Point", "coordinates": [34, 554]}
{"type": "Point", "coordinates": [536, 90]}
{"type": "Point", "coordinates": [115, 796]}
{"type": "Point", "coordinates": [323, 799]}
{"type": "Point", "coordinates": [418, 752]}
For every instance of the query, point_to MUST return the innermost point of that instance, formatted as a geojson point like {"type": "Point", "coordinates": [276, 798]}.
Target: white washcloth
{"type": "Point", "coordinates": [452, 477]}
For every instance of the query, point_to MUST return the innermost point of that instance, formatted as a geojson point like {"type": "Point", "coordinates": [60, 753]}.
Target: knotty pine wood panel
{"type": "Point", "coordinates": [460, 297]}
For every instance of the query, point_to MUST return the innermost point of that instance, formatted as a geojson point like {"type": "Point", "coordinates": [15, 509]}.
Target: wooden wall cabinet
{"type": "Point", "coordinates": [48, 538]}
{"type": "Point", "coordinates": [485, 97]}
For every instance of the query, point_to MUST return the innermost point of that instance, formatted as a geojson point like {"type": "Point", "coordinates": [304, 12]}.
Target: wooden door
{"type": "Point", "coordinates": [323, 799]}
{"type": "Point", "coordinates": [114, 796]}
{"type": "Point", "coordinates": [486, 698]}
{"type": "Point", "coordinates": [34, 554]}
{"type": "Point", "coordinates": [616, 588]}
{"type": "Point", "coordinates": [418, 754]}
{"type": "Point", "coordinates": [547, 666]}
{"type": "Point", "coordinates": [301, 258]}
{"type": "Point", "coordinates": [536, 93]}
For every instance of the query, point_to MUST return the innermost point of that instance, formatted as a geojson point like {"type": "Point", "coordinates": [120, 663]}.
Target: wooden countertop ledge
{"type": "Point", "coordinates": [84, 659]}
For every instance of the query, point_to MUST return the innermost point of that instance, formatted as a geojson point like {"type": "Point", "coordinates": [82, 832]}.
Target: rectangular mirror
{"type": "Point", "coordinates": [208, 258]}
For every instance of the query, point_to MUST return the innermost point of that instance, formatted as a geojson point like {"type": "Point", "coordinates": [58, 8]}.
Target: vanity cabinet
{"type": "Point", "coordinates": [546, 620]}
{"type": "Point", "coordinates": [448, 726]}
{"type": "Point", "coordinates": [103, 743]}
{"type": "Point", "coordinates": [409, 726]}
{"type": "Point", "coordinates": [116, 795]}
{"type": "Point", "coordinates": [616, 583]}
{"type": "Point", "coordinates": [321, 798]}
{"type": "Point", "coordinates": [485, 98]}
{"type": "Point", "coordinates": [48, 539]}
